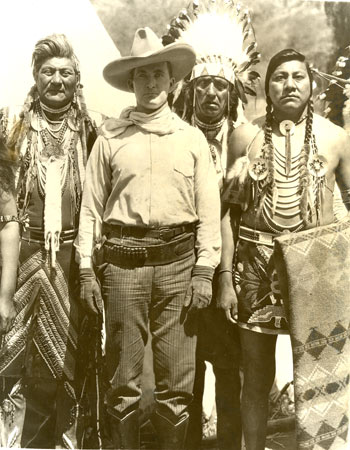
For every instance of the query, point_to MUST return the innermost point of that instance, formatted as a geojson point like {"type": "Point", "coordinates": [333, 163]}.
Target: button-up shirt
{"type": "Point", "coordinates": [147, 180]}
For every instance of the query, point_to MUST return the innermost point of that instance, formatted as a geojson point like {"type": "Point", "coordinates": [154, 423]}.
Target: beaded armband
{"type": "Point", "coordinates": [22, 221]}
{"type": "Point", "coordinates": [345, 195]}
{"type": "Point", "coordinates": [5, 219]}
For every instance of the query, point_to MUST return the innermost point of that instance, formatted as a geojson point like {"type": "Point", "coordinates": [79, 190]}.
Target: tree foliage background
{"type": "Point", "coordinates": [278, 24]}
{"type": "Point", "coordinates": [318, 29]}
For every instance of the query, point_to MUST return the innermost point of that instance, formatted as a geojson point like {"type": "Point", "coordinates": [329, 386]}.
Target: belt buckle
{"type": "Point", "coordinates": [265, 238]}
{"type": "Point", "coordinates": [121, 232]}
{"type": "Point", "coordinates": [166, 234]}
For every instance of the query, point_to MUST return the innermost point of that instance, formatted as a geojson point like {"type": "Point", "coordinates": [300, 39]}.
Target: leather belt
{"type": "Point", "coordinates": [164, 233]}
{"type": "Point", "coordinates": [150, 255]}
{"type": "Point", "coordinates": [31, 234]}
{"type": "Point", "coordinates": [259, 237]}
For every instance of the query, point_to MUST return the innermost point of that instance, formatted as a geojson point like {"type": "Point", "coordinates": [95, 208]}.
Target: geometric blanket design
{"type": "Point", "coordinates": [313, 268]}
{"type": "Point", "coordinates": [44, 325]}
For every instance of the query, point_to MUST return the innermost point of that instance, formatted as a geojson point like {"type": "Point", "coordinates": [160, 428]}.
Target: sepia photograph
{"type": "Point", "coordinates": [174, 224]}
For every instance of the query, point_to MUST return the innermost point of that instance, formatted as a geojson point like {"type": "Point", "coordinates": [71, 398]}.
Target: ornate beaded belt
{"type": "Point", "coordinates": [260, 237]}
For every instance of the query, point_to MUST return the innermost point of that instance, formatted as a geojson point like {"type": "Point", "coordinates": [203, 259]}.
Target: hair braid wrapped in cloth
{"type": "Point", "coordinates": [305, 178]}
{"type": "Point", "coordinates": [268, 155]}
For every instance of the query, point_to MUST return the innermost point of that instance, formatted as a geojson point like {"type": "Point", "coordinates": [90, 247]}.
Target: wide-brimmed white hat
{"type": "Point", "coordinates": [146, 49]}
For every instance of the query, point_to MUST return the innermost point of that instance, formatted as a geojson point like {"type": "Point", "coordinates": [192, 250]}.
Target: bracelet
{"type": "Point", "coordinates": [6, 219]}
{"type": "Point", "coordinates": [225, 270]}
{"type": "Point", "coordinates": [23, 220]}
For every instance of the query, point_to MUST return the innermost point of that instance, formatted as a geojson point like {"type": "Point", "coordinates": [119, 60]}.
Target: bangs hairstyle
{"type": "Point", "coordinates": [53, 46]}
{"type": "Point", "coordinates": [288, 54]}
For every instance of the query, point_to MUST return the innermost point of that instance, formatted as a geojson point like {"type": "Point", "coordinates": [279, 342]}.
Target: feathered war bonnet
{"type": "Point", "coordinates": [222, 36]}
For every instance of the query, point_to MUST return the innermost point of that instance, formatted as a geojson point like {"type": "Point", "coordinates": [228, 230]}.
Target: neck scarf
{"type": "Point", "coordinates": [161, 122]}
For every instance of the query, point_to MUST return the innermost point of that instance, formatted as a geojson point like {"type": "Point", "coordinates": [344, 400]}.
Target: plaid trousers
{"type": "Point", "coordinates": [138, 298]}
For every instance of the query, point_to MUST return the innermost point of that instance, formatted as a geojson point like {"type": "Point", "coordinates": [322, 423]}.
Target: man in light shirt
{"type": "Point", "coordinates": [151, 199]}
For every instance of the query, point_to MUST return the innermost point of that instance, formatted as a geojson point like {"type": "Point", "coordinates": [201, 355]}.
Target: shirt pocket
{"type": "Point", "coordinates": [185, 166]}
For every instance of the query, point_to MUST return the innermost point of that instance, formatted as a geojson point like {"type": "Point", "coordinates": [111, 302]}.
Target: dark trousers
{"type": "Point", "coordinates": [227, 397]}
{"type": "Point", "coordinates": [218, 343]}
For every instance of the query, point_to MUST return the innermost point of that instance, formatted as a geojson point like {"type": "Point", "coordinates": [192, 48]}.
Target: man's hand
{"type": "Point", "coordinates": [226, 297]}
{"type": "Point", "coordinates": [199, 292]}
{"type": "Point", "coordinates": [90, 293]}
{"type": "Point", "coordinates": [7, 314]}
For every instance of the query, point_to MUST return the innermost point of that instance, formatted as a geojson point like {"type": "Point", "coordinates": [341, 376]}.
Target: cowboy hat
{"type": "Point", "coordinates": [146, 49]}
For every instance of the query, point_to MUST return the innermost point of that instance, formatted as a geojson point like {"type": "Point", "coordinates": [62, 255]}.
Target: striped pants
{"type": "Point", "coordinates": [135, 299]}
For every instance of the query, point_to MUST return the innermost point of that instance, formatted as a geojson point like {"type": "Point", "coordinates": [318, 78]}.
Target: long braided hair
{"type": "Point", "coordinates": [268, 149]}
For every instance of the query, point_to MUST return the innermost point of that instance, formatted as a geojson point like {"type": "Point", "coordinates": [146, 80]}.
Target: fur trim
{"type": "Point", "coordinates": [239, 171]}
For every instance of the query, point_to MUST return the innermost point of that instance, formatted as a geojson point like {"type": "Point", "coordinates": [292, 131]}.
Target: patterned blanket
{"type": "Point", "coordinates": [314, 274]}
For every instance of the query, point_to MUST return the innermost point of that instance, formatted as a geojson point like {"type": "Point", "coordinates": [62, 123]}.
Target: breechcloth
{"type": "Point", "coordinates": [42, 361]}
{"type": "Point", "coordinates": [260, 304]}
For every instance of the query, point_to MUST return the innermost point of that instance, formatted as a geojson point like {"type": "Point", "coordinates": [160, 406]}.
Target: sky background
{"type": "Point", "coordinates": [24, 22]}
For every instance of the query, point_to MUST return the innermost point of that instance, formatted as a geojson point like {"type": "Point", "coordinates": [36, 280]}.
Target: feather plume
{"type": "Point", "coordinates": [217, 30]}
{"type": "Point", "coordinates": [67, 442]}
{"type": "Point", "coordinates": [11, 441]}
{"type": "Point", "coordinates": [239, 171]}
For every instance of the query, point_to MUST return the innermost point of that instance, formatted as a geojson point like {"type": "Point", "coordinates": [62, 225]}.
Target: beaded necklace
{"type": "Point", "coordinates": [287, 128]}
{"type": "Point", "coordinates": [208, 127]}
{"type": "Point", "coordinates": [287, 174]}
{"type": "Point", "coordinates": [46, 108]}
{"type": "Point", "coordinates": [52, 139]}
{"type": "Point", "coordinates": [288, 202]}
{"type": "Point", "coordinates": [210, 131]}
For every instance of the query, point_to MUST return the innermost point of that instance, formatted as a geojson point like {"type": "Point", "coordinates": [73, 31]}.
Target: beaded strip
{"type": "Point", "coordinates": [5, 219]}
{"type": "Point", "coordinates": [22, 220]}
